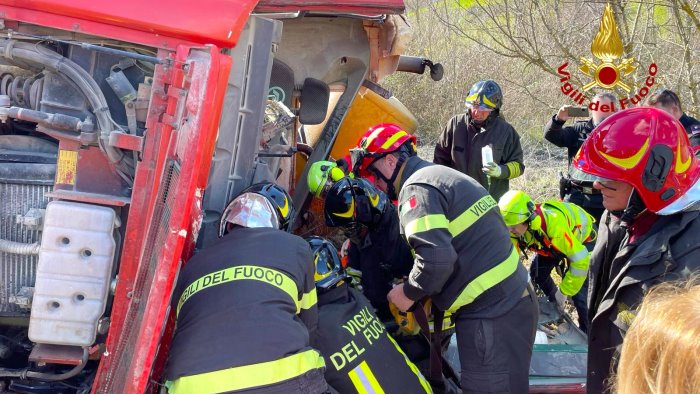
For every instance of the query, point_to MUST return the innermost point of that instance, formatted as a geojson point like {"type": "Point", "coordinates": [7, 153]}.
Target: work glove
{"type": "Point", "coordinates": [355, 277]}
{"type": "Point", "coordinates": [492, 169]}
{"type": "Point", "coordinates": [560, 298]}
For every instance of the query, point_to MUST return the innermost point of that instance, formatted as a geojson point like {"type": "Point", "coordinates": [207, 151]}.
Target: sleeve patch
{"type": "Point", "coordinates": [407, 205]}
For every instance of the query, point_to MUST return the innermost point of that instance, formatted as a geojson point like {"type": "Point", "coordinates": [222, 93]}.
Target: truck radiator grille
{"type": "Point", "coordinates": [17, 271]}
{"type": "Point", "coordinates": [156, 238]}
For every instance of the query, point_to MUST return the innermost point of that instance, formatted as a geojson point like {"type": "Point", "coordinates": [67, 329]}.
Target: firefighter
{"type": "Point", "coordinates": [360, 355]}
{"type": "Point", "coordinates": [579, 191]}
{"type": "Point", "coordinates": [382, 257]}
{"type": "Point", "coordinates": [322, 175]}
{"type": "Point", "coordinates": [246, 306]}
{"type": "Point", "coordinates": [376, 249]}
{"type": "Point", "coordinates": [464, 259]}
{"type": "Point", "coordinates": [556, 231]}
{"type": "Point", "coordinates": [650, 181]}
{"type": "Point", "coordinates": [462, 140]}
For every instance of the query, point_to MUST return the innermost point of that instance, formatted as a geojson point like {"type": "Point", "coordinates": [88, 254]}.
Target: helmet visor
{"type": "Point", "coordinates": [577, 175]}
{"type": "Point", "coordinates": [249, 210]}
{"type": "Point", "coordinates": [481, 107]}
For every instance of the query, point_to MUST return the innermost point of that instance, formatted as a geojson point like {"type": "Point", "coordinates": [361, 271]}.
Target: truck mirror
{"type": "Point", "coordinates": [416, 65]}
{"type": "Point", "coordinates": [313, 102]}
{"type": "Point", "coordinates": [436, 72]}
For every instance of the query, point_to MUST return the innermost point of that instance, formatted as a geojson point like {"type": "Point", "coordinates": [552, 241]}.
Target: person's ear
{"type": "Point", "coordinates": [391, 160]}
{"type": "Point", "coordinates": [677, 113]}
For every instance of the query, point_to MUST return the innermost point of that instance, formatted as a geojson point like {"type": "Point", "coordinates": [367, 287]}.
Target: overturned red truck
{"type": "Point", "coordinates": [126, 128]}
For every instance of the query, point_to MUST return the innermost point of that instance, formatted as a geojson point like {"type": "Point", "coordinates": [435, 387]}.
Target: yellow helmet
{"type": "Point", "coordinates": [516, 207]}
{"type": "Point", "coordinates": [322, 175]}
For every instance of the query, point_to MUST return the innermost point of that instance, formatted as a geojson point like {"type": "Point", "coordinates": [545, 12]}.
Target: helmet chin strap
{"type": "Point", "coordinates": [390, 189]}
{"type": "Point", "coordinates": [635, 206]}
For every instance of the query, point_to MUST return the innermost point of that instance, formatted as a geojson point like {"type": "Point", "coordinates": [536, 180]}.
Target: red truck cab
{"type": "Point", "coordinates": [126, 128]}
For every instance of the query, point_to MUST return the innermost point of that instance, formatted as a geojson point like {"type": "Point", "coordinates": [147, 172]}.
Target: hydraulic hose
{"type": "Point", "coordinates": [25, 373]}
{"type": "Point", "coordinates": [18, 247]}
{"type": "Point", "coordinates": [35, 54]}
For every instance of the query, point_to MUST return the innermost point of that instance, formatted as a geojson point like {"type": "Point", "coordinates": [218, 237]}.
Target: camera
{"type": "Point", "coordinates": [577, 112]}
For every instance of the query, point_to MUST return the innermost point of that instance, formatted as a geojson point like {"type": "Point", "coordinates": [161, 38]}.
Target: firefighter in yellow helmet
{"type": "Point", "coordinates": [560, 233]}
{"type": "Point", "coordinates": [322, 176]}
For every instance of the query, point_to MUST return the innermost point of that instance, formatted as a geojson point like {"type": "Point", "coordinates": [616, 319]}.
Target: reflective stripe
{"type": "Point", "coordinates": [486, 281]}
{"type": "Point", "coordinates": [421, 378]}
{"type": "Point", "coordinates": [249, 376]}
{"type": "Point", "coordinates": [582, 222]}
{"type": "Point", "coordinates": [425, 223]}
{"type": "Point", "coordinates": [488, 102]}
{"type": "Point", "coordinates": [364, 380]}
{"type": "Point", "coordinates": [578, 272]}
{"type": "Point", "coordinates": [308, 300]}
{"type": "Point", "coordinates": [471, 215]}
{"type": "Point", "coordinates": [514, 169]}
{"type": "Point", "coordinates": [458, 225]}
{"type": "Point", "coordinates": [241, 272]}
{"type": "Point", "coordinates": [393, 139]}
{"type": "Point", "coordinates": [446, 324]}
{"type": "Point", "coordinates": [372, 136]}
{"type": "Point", "coordinates": [471, 98]}
{"type": "Point", "coordinates": [578, 256]}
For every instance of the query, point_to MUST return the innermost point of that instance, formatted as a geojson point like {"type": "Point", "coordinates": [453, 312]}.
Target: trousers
{"type": "Point", "coordinates": [495, 353]}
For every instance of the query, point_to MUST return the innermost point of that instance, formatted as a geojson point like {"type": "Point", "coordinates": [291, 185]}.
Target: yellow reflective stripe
{"type": "Point", "coordinates": [486, 281]}
{"type": "Point", "coordinates": [513, 169]}
{"type": "Point", "coordinates": [578, 256]}
{"type": "Point", "coordinates": [393, 139]}
{"type": "Point", "coordinates": [249, 376]}
{"type": "Point", "coordinates": [471, 98]}
{"type": "Point", "coordinates": [425, 223]}
{"type": "Point", "coordinates": [421, 378]}
{"type": "Point", "coordinates": [308, 300]}
{"type": "Point", "coordinates": [241, 272]}
{"type": "Point", "coordinates": [371, 137]}
{"type": "Point", "coordinates": [364, 380]}
{"type": "Point", "coordinates": [350, 212]}
{"type": "Point", "coordinates": [578, 272]}
{"type": "Point", "coordinates": [446, 324]}
{"type": "Point", "coordinates": [471, 215]}
{"type": "Point", "coordinates": [628, 162]}
{"type": "Point", "coordinates": [488, 102]}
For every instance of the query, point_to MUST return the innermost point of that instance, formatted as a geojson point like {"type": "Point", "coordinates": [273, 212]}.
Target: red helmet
{"type": "Point", "coordinates": [649, 149]}
{"type": "Point", "coordinates": [377, 142]}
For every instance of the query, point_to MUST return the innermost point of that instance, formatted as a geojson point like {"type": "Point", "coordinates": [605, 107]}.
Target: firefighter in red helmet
{"type": "Point", "coordinates": [464, 259]}
{"type": "Point", "coordinates": [641, 161]}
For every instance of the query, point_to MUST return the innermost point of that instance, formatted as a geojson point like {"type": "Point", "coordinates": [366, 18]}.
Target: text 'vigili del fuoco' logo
{"type": "Point", "coordinates": [610, 72]}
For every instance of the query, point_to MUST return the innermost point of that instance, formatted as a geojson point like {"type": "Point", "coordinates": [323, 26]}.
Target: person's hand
{"type": "Point", "coordinates": [344, 248]}
{"type": "Point", "coordinates": [355, 277]}
{"type": "Point", "coordinates": [563, 113]}
{"type": "Point", "coordinates": [560, 299]}
{"type": "Point", "coordinates": [397, 297]}
{"type": "Point", "coordinates": [492, 169]}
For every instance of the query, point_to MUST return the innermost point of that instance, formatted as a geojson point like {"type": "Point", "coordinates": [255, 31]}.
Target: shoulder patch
{"type": "Point", "coordinates": [407, 205]}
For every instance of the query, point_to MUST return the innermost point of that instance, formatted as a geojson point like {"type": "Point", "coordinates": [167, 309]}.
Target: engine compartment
{"type": "Point", "coordinates": [64, 102]}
